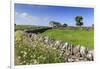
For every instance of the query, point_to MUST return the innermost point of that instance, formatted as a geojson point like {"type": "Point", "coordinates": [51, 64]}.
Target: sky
{"type": "Point", "coordinates": [31, 14]}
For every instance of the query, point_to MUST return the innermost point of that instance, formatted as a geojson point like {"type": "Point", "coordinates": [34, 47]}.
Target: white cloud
{"type": "Point", "coordinates": [26, 18]}
{"type": "Point", "coordinates": [24, 14]}
{"type": "Point", "coordinates": [29, 19]}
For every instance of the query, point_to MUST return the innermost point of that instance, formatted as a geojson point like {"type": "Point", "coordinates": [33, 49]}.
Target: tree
{"type": "Point", "coordinates": [78, 20]}
{"type": "Point", "coordinates": [65, 25]}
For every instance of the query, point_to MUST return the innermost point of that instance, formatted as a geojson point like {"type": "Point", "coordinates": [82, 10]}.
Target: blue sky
{"type": "Point", "coordinates": [30, 14]}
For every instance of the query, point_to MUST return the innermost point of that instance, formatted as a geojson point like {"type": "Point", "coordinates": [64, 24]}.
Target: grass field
{"type": "Point", "coordinates": [78, 36]}
{"type": "Point", "coordinates": [29, 52]}
{"type": "Point", "coordinates": [82, 37]}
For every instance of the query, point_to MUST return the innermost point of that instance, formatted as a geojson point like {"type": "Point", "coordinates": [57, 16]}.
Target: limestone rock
{"type": "Point", "coordinates": [82, 51]}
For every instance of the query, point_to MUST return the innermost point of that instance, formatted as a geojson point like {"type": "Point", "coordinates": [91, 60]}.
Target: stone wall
{"type": "Point", "coordinates": [71, 53]}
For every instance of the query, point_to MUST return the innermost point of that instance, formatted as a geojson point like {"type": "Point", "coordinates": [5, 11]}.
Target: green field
{"type": "Point", "coordinates": [78, 36]}
{"type": "Point", "coordinates": [81, 37]}
{"type": "Point", "coordinates": [29, 52]}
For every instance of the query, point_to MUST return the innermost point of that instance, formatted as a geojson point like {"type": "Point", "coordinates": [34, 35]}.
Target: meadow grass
{"type": "Point", "coordinates": [29, 52]}
{"type": "Point", "coordinates": [81, 37]}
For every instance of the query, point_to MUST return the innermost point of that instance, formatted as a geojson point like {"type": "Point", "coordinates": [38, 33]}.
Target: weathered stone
{"type": "Point", "coordinates": [67, 52]}
{"type": "Point", "coordinates": [50, 42]}
{"type": "Point", "coordinates": [34, 37]}
{"type": "Point", "coordinates": [82, 51]}
{"type": "Point", "coordinates": [77, 54]}
{"type": "Point", "coordinates": [70, 48]}
{"type": "Point", "coordinates": [76, 60]}
{"type": "Point", "coordinates": [46, 39]}
{"type": "Point", "coordinates": [70, 60]}
{"type": "Point", "coordinates": [64, 46]}
{"type": "Point", "coordinates": [25, 34]}
{"type": "Point", "coordinates": [61, 45]}
{"type": "Point", "coordinates": [57, 44]}
{"type": "Point", "coordinates": [81, 58]}
{"type": "Point", "coordinates": [90, 55]}
{"type": "Point", "coordinates": [76, 49]}
{"type": "Point", "coordinates": [41, 39]}
{"type": "Point", "coordinates": [71, 53]}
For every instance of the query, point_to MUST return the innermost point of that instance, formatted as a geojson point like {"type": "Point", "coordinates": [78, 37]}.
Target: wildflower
{"type": "Point", "coordinates": [19, 57]}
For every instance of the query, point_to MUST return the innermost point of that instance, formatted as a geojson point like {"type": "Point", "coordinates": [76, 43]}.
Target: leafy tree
{"type": "Point", "coordinates": [78, 20]}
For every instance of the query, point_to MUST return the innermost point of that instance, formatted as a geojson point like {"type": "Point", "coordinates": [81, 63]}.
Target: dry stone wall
{"type": "Point", "coordinates": [71, 53]}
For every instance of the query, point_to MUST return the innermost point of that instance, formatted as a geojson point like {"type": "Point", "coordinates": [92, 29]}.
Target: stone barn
{"type": "Point", "coordinates": [54, 24]}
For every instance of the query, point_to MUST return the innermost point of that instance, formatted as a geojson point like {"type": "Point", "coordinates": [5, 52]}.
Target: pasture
{"type": "Point", "coordinates": [29, 52]}
{"type": "Point", "coordinates": [70, 35]}
{"type": "Point", "coordinates": [81, 37]}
